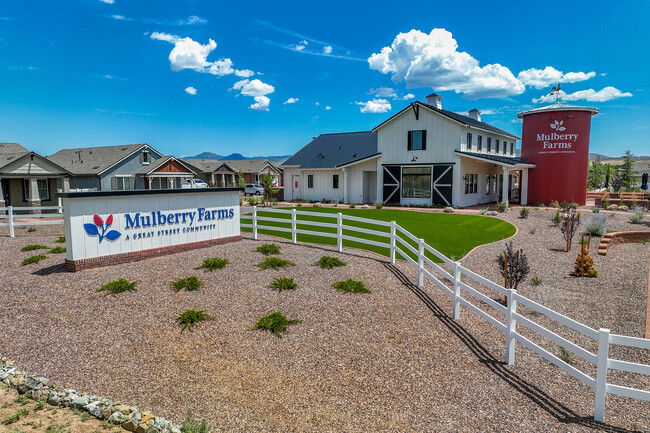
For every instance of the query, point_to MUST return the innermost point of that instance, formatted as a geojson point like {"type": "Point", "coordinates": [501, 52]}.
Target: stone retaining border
{"type": "Point", "coordinates": [130, 418]}
{"type": "Point", "coordinates": [621, 237]}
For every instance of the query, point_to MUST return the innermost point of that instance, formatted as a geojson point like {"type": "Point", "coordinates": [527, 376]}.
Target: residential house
{"type": "Point", "coordinates": [212, 171]}
{"type": "Point", "coordinates": [165, 173]}
{"type": "Point", "coordinates": [254, 169]}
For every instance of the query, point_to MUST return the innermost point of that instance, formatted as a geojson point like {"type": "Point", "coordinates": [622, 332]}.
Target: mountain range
{"type": "Point", "coordinates": [238, 157]}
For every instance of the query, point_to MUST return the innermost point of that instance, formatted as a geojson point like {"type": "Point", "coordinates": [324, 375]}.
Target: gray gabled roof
{"type": "Point", "coordinates": [205, 165]}
{"type": "Point", "coordinates": [94, 160]}
{"type": "Point", "coordinates": [333, 150]}
{"type": "Point", "coordinates": [10, 152]}
{"type": "Point", "coordinates": [250, 165]}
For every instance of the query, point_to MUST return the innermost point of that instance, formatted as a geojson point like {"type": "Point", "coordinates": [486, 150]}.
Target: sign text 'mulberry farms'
{"type": "Point", "coordinates": [158, 218]}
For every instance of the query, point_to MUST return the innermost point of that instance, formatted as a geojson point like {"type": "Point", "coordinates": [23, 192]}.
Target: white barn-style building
{"type": "Point", "coordinates": [423, 155]}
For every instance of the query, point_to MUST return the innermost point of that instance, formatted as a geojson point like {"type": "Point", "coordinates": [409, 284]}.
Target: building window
{"type": "Point", "coordinates": [122, 183]}
{"type": "Point", "coordinates": [335, 181]}
{"type": "Point", "coordinates": [43, 189]}
{"type": "Point", "coordinates": [469, 141]}
{"type": "Point", "coordinates": [471, 183]}
{"type": "Point", "coordinates": [479, 143]}
{"type": "Point", "coordinates": [417, 140]}
{"type": "Point", "coordinates": [416, 182]}
{"type": "Point", "coordinates": [496, 146]}
{"type": "Point", "coordinates": [512, 149]}
{"type": "Point", "coordinates": [494, 182]}
{"type": "Point", "coordinates": [144, 157]}
{"type": "Point", "coordinates": [487, 184]}
{"type": "Point", "coordinates": [489, 144]}
{"type": "Point", "coordinates": [505, 147]}
{"type": "Point", "coordinates": [310, 181]}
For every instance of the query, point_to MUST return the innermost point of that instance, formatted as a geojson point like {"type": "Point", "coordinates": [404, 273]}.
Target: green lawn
{"type": "Point", "coordinates": [452, 234]}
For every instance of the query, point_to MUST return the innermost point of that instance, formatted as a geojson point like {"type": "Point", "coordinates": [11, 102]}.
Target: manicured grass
{"type": "Point", "coordinates": [452, 234]}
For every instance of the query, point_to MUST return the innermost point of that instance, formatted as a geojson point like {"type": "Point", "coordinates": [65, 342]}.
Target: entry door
{"type": "Point", "coordinates": [442, 184]}
{"type": "Point", "coordinates": [392, 176]}
{"type": "Point", "coordinates": [369, 186]}
{"type": "Point", "coordinates": [294, 186]}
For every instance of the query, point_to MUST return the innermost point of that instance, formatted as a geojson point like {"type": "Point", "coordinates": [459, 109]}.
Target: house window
{"type": "Point", "coordinates": [335, 181]}
{"type": "Point", "coordinates": [416, 182]}
{"type": "Point", "coordinates": [480, 143]}
{"type": "Point", "coordinates": [122, 183]}
{"type": "Point", "coordinates": [505, 147]}
{"type": "Point", "coordinates": [489, 144]}
{"type": "Point", "coordinates": [512, 148]}
{"type": "Point", "coordinates": [496, 146]}
{"type": "Point", "coordinates": [469, 141]}
{"type": "Point", "coordinates": [487, 184]}
{"type": "Point", "coordinates": [43, 189]}
{"type": "Point", "coordinates": [471, 183]}
{"type": "Point", "coordinates": [494, 182]}
{"type": "Point", "coordinates": [310, 181]}
{"type": "Point", "coordinates": [417, 140]}
{"type": "Point", "coordinates": [144, 158]}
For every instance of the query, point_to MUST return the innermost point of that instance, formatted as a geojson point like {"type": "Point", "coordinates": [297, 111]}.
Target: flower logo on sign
{"type": "Point", "coordinates": [558, 125]}
{"type": "Point", "coordinates": [101, 228]}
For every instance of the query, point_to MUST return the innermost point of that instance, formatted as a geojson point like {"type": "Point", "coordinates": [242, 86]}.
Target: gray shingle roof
{"type": "Point", "coordinates": [248, 165]}
{"type": "Point", "coordinates": [203, 165]}
{"type": "Point", "coordinates": [9, 152]}
{"type": "Point", "coordinates": [93, 160]}
{"type": "Point", "coordinates": [333, 150]}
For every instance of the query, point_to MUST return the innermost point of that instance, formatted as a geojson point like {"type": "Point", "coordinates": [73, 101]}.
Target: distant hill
{"type": "Point", "coordinates": [607, 158]}
{"type": "Point", "coordinates": [239, 157]}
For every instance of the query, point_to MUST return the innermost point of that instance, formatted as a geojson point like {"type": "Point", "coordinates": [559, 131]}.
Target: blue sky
{"type": "Point", "coordinates": [263, 78]}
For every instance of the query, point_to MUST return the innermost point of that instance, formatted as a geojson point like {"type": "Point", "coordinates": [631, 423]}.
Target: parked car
{"type": "Point", "coordinates": [193, 183]}
{"type": "Point", "coordinates": [253, 189]}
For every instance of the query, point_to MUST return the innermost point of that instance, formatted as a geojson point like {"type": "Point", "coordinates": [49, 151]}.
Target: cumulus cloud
{"type": "Point", "coordinates": [244, 73]}
{"type": "Point", "coordinates": [408, 96]}
{"type": "Point", "coordinates": [327, 49]}
{"type": "Point", "coordinates": [291, 101]}
{"type": "Point", "coordinates": [261, 103]}
{"type": "Point", "coordinates": [605, 94]}
{"type": "Point", "coordinates": [258, 90]}
{"type": "Point", "coordinates": [540, 78]}
{"type": "Point", "coordinates": [190, 90]}
{"type": "Point", "coordinates": [375, 106]}
{"type": "Point", "coordinates": [433, 60]}
{"type": "Point", "coordinates": [383, 92]}
{"type": "Point", "coordinates": [328, 108]}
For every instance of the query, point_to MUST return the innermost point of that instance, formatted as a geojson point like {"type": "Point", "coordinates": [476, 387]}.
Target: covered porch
{"type": "Point", "coordinates": [166, 173]}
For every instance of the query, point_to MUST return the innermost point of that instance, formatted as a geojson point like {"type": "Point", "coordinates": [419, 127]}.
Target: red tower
{"type": "Point", "coordinates": [556, 140]}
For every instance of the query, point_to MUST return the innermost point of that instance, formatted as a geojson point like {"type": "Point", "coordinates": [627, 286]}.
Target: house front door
{"type": "Point", "coordinates": [295, 191]}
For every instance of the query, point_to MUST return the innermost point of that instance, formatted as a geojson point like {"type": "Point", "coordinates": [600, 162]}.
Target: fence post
{"type": "Point", "coordinates": [11, 221]}
{"type": "Point", "coordinates": [421, 263]}
{"type": "Point", "coordinates": [511, 326]}
{"type": "Point", "coordinates": [339, 232]}
{"type": "Point", "coordinates": [393, 230]}
{"type": "Point", "coordinates": [60, 204]}
{"type": "Point", "coordinates": [601, 374]}
{"type": "Point", "coordinates": [457, 274]}
{"type": "Point", "coordinates": [294, 234]}
{"type": "Point", "coordinates": [255, 222]}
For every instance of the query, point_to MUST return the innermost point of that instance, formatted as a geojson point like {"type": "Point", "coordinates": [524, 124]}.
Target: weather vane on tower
{"type": "Point", "coordinates": [556, 92]}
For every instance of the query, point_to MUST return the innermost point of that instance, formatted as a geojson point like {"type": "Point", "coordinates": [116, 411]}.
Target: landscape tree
{"type": "Point", "coordinates": [240, 179]}
{"type": "Point", "coordinates": [595, 174]}
{"type": "Point", "coordinates": [570, 222]}
{"type": "Point", "coordinates": [625, 171]}
{"type": "Point", "coordinates": [513, 265]}
{"type": "Point", "coordinates": [267, 183]}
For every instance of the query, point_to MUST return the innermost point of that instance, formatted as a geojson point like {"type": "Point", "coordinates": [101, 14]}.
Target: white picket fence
{"type": "Point", "coordinates": [397, 244]}
{"type": "Point", "coordinates": [47, 218]}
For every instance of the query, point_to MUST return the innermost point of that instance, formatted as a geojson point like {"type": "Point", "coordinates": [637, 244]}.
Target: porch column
{"type": "Point", "coordinates": [504, 199]}
{"type": "Point", "coordinates": [222, 182]}
{"type": "Point", "coordinates": [345, 185]}
{"type": "Point", "coordinates": [2, 199]}
{"type": "Point", "coordinates": [34, 199]}
{"type": "Point", "coordinates": [523, 187]}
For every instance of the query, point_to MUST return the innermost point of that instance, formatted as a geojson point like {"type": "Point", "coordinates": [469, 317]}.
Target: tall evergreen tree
{"type": "Point", "coordinates": [596, 174]}
{"type": "Point", "coordinates": [625, 171]}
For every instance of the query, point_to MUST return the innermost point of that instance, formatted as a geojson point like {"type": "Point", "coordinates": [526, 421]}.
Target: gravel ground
{"type": "Point", "coordinates": [391, 360]}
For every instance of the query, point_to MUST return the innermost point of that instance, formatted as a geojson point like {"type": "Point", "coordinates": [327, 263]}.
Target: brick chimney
{"type": "Point", "coordinates": [475, 114]}
{"type": "Point", "coordinates": [435, 100]}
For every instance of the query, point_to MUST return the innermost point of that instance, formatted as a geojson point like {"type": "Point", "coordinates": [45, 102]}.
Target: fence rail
{"type": "Point", "coordinates": [11, 216]}
{"type": "Point", "coordinates": [400, 243]}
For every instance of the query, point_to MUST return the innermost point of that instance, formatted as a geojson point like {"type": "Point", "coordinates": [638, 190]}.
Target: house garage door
{"type": "Point", "coordinates": [392, 175]}
{"type": "Point", "coordinates": [442, 184]}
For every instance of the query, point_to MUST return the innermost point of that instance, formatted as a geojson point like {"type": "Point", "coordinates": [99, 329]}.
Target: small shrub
{"type": "Point", "coordinates": [517, 266]}
{"type": "Point", "coordinates": [351, 286]}
{"type": "Point", "coordinates": [55, 428]}
{"type": "Point", "coordinates": [533, 312]}
{"type": "Point", "coordinates": [252, 201]}
{"type": "Point", "coordinates": [268, 249]}
{"type": "Point", "coordinates": [190, 284]}
{"type": "Point", "coordinates": [188, 319]}
{"type": "Point", "coordinates": [536, 281]}
{"type": "Point", "coordinates": [595, 210]}
{"type": "Point", "coordinates": [22, 400]}
{"type": "Point", "coordinates": [118, 286]}
{"type": "Point", "coordinates": [275, 263]}
{"type": "Point", "coordinates": [327, 262]}
{"type": "Point", "coordinates": [557, 218]}
{"type": "Point", "coordinates": [335, 203]}
{"type": "Point", "coordinates": [502, 206]}
{"type": "Point", "coordinates": [637, 215]}
{"type": "Point", "coordinates": [34, 259]}
{"type": "Point", "coordinates": [33, 247]}
{"type": "Point", "coordinates": [275, 322]}
{"type": "Point", "coordinates": [554, 204]}
{"type": "Point", "coordinates": [39, 405]}
{"type": "Point", "coordinates": [532, 231]}
{"type": "Point", "coordinates": [15, 416]}
{"type": "Point", "coordinates": [540, 204]}
{"type": "Point", "coordinates": [566, 355]}
{"type": "Point", "coordinates": [283, 283]}
{"type": "Point", "coordinates": [57, 250]}
{"type": "Point", "coordinates": [352, 205]}
{"type": "Point", "coordinates": [31, 229]}
{"type": "Point", "coordinates": [84, 416]}
{"type": "Point", "coordinates": [379, 205]}
{"type": "Point", "coordinates": [524, 212]}
{"type": "Point", "coordinates": [212, 263]}
{"type": "Point", "coordinates": [597, 224]}
{"type": "Point", "coordinates": [483, 210]}
{"type": "Point", "coordinates": [60, 240]}
{"type": "Point", "coordinates": [192, 425]}
{"type": "Point", "coordinates": [299, 205]}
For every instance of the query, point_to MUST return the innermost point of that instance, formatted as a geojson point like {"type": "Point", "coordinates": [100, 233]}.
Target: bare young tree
{"type": "Point", "coordinates": [513, 265]}
{"type": "Point", "coordinates": [570, 224]}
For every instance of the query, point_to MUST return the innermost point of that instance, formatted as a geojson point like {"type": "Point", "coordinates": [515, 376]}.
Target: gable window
{"type": "Point", "coordinates": [417, 140]}
{"type": "Point", "coordinates": [310, 181]}
{"type": "Point", "coordinates": [496, 146]}
{"type": "Point", "coordinates": [144, 157]}
{"type": "Point", "coordinates": [122, 183]}
{"type": "Point", "coordinates": [335, 181]}
{"type": "Point", "coordinates": [479, 143]}
{"type": "Point", "coordinates": [489, 144]}
{"type": "Point", "coordinates": [43, 189]}
{"type": "Point", "coordinates": [512, 148]}
{"type": "Point", "coordinates": [469, 141]}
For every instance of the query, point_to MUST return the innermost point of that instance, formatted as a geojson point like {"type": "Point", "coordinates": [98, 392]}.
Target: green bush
{"type": "Point", "coordinates": [540, 204]}
{"type": "Point", "coordinates": [532, 231]}
{"type": "Point", "coordinates": [275, 322]}
{"type": "Point", "coordinates": [502, 206]}
{"type": "Point", "coordinates": [34, 259]}
{"type": "Point", "coordinates": [60, 240]}
{"type": "Point", "coordinates": [637, 215]}
{"type": "Point", "coordinates": [595, 210]}
{"type": "Point", "coordinates": [31, 229]}
{"type": "Point", "coordinates": [283, 283]}
{"type": "Point", "coordinates": [524, 212]}
{"type": "Point", "coordinates": [483, 210]}
{"type": "Point", "coordinates": [351, 286]}
{"type": "Point", "coordinates": [327, 262]}
{"type": "Point", "coordinates": [275, 263]}
{"type": "Point", "coordinates": [57, 250]}
{"type": "Point", "coordinates": [536, 281]}
{"type": "Point", "coordinates": [212, 263]}
{"type": "Point", "coordinates": [379, 205]}
{"type": "Point", "coordinates": [554, 204]}
{"type": "Point", "coordinates": [192, 425]}
{"type": "Point", "coordinates": [352, 205]}
{"type": "Point", "coordinates": [557, 218]}
{"type": "Point", "coordinates": [335, 203]}
{"type": "Point", "coordinates": [190, 284]}
{"type": "Point", "coordinates": [566, 355]}
{"type": "Point", "coordinates": [268, 249]}
{"type": "Point", "coordinates": [118, 286]}
{"type": "Point", "coordinates": [188, 319]}
{"type": "Point", "coordinates": [252, 201]}
{"type": "Point", "coordinates": [33, 247]}
{"type": "Point", "coordinates": [15, 416]}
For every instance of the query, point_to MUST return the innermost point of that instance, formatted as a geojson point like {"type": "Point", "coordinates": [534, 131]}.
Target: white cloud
{"type": "Point", "coordinates": [261, 103]}
{"type": "Point", "coordinates": [433, 60]}
{"type": "Point", "coordinates": [408, 96]}
{"type": "Point", "coordinates": [328, 108]}
{"type": "Point", "coordinates": [190, 90]}
{"type": "Point", "coordinates": [244, 73]}
{"type": "Point", "coordinates": [383, 92]}
{"type": "Point", "coordinates": [192, 20]}
{"type": "Point", "coordinates": [316, 103]}
{"type": "Point", "coordinates": [375, 106]}
{"type": "Point", "coordinates": [605, 94]}
{"type": "Point", "coordinates": [540, 78]}
{"type": "Point", "coordinates": [327, 49]}
{"type": "Point", "coordinates": [110, 2]}
{"type": "Point", "coordinates": [258, 90]}
{"type": "Point", "coordinates": [291, 101]}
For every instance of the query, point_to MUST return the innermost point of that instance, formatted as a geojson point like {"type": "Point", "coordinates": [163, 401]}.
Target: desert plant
{"type": "Point", "coordinates": [557, 218]}
{"type": "Point", "coordinates": [328, 262]}
{"type": "Point", "coordinates": [188, 319]}
{"type": "Point", "coordinates": [569, 225]}
{"type": "Point", "coordinates": [502, 206]}
{"type": "Point", "coordinates": [190, 284]}
{"type": "Point", "coordinates": [15, 416]}
{"type": "Point", "coordinates": [283, 283]}
{"type": "Point", "coordinates": [57, 250]}
{"type": "Point", "coordinates": [34, 259]}
{"type": "Point", "coordinates": [637, 215]}
{"type": "Point", "coordinates": [55, 428]}
{"type": "Point", "coordinates": [33, 247]}
{"type": "Point", "coordinates": [39, 405]}
{"type": "Point", "coordinates": [31, 229]}
{"type": "Point", "coordinates": [60, 240]}
{"type": "Point", "coordinates": [275, 322]}
{"type": "Point", "coordinates": [352, 205]}
{"type": "Point", "coordinates": [350, 286]}
{"type": "Point", "coordinates": [275, 263]}
{"type": "Point", "coordinates": [116, 287]}
{"type": "Point", "coordinates": [513, 265]}
{"type": "Point", "coordinates": [524, 212]}
{"type": "Point", "coordinates": [379, 205]}
{"type": "Point", "coordinates": [566, 355]}
{"type": "Point", "coordinates": [532, 231]}
{"type": "Point", "coordinates": [554, 204]}
{"type": "Point", "coordinates": [268, 249]}
{"type": "Point", "coordinates": [597, 225]}
{"type": "Point", "coordinates": [212, 263]}
{"type": "Point", "coordinates": [192, 425]}
{"type": "Point", "coordinates": [584, 266]}
{"type": "Point", "coordinates": [21, 400]}
{"type": "Point", "coordinates": [483, 210]}
{"type": "Point", "coordinates": [335, 203]}
{"type": "Point", "coordinates": [536, 281]}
